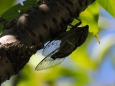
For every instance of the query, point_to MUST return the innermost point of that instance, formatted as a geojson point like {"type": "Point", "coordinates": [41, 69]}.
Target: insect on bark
{"type": "Point", "coordinates": [45, 21]}
{"type": "Point", "coordinates": [62, 46]}
{"type": "Point", "coordinates": [52, 22]}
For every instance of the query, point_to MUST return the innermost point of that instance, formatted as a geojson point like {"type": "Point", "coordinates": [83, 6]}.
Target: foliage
{"type": "Point", "coordinates": [90, 17]}
{"type": "Point", "coordinates": [80, 59]}
{"type": "Point", "coordinates": [5, 5]}
{"type": "Point", "coordinates": [108, 5]}
{"type": "Point", "coordinates": [15, 11]}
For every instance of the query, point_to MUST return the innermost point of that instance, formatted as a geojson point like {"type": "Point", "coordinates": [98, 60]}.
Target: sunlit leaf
{"type": "Point", "coordinates": [5, 4]}
{"type": "Point", "coordinates": [90, 17]}
{"type": "Point", "coordinates": [79, 76]}
{"type": "Point", "coordinates": [83, 60]}
{"type": "Point", "coordinates": [108, 5]}
{"type": "Point", "coordinates": [97, 37]}
{"type": "Point", "coordinates": [27, 77]}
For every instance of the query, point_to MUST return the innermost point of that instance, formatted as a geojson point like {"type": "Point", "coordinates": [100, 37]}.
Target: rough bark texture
{"type": "Point", "coordinates": [24, 36]}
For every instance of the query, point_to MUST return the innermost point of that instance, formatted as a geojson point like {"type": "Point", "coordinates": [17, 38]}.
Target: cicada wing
{"type": "Point", "coordinates": [51, 47]}
{"type": "Point", "coordinates": [49, 62]}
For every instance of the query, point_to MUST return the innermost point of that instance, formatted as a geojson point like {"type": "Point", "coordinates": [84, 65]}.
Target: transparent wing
{"type": "Point", "coordinates": [48, 62]}
{"type": "Point", "coordinates": [51, 47]}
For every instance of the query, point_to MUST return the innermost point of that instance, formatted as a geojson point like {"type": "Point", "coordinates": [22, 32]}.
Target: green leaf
{"type": "Point", "coordinates": [28, 77]}
{"type": "Point", "coordinates": [5, 4]}
{"type": "Point", "coordinates": [90, 17]}
{"type": "Point", "coordinates": [82, 59]}
{"type": "Point", "coordinates": [16, 10]}
{"type": "Point", "coordinates": [108, 5]}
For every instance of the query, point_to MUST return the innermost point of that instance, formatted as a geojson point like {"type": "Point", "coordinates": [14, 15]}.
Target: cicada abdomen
{"type": "Point", "coordinates": [49, 18]}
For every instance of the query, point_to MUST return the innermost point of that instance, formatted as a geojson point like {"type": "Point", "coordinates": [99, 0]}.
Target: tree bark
{"type": "Point", "coordinates": [22, 37]}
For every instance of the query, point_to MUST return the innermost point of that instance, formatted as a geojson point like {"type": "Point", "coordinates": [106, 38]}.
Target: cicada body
{"type": "Point", "coordinates": [56, 50]}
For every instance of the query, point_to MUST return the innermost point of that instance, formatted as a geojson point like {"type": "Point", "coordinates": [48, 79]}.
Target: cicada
{"type": "Point", "coordinates": [62, 46]}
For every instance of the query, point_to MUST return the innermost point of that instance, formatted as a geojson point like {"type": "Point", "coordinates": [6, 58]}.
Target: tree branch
{"type": "Point", "coordinates": [27, 34]}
